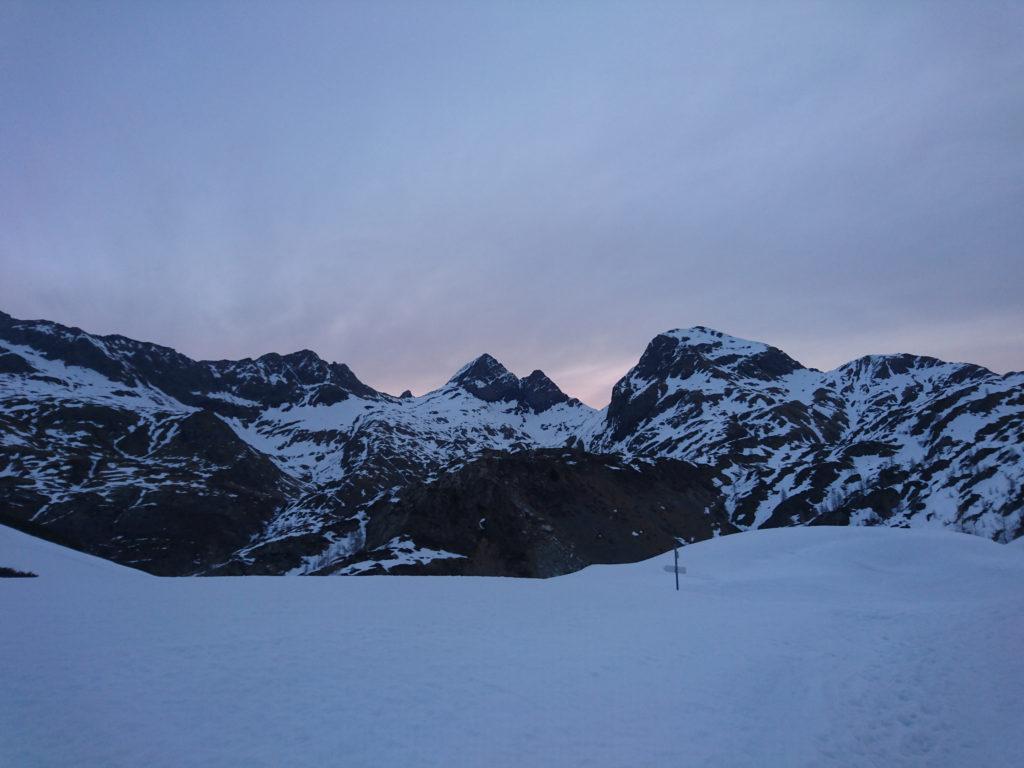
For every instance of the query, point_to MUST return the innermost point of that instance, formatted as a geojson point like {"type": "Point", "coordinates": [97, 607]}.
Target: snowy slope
{"type": "Point", "coordinates": [795, 647]}
{"type": "Point", "coordinates": [51, 561]}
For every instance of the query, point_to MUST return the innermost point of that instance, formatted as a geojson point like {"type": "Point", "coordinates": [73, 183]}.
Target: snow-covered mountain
{"type": "Point", "coordinates": [137, 453]}
{"type": "Point", "coordinates": [176, 466]}
{"type": "Point", "coordinates": [890, 439]}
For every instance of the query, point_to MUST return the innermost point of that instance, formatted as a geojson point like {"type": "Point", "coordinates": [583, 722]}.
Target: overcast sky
{"type": "Point", "coordinates": [404, 186]}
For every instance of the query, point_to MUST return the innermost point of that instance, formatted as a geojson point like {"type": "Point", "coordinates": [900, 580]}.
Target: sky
{"type": "Point", "coordinates": [404, 186]}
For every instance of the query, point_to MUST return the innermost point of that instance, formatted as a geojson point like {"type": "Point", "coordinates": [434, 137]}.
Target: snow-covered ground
{"type": "Point", "coordinates": [791, 647]}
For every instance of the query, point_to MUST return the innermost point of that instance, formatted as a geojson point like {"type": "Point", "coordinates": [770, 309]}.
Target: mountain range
{"type": "Point", "coordinates": [290, 464]}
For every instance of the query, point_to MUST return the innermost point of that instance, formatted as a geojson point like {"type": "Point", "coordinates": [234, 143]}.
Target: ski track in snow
{"type": "Point", "coordinates": [790, 647]}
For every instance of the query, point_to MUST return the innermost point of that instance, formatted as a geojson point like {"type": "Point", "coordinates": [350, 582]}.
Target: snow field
{"type": "Point", "coordinates": [789, 647]}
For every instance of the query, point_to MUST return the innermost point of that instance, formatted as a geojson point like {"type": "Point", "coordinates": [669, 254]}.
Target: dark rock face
{"type": "Point", "coordinates": [490, 381]}
{"type": "Point", "coordinates": [539, 393]}
{"type": "Point", "coordinates": [108, 444]}
{"type": "Point", "coordinates": [288, 463]}
{"type": "Point", "coordinates": [12, 363]}
{"type": "Point", "coordinates": [197, 493]}
{"type": "Point", "coordinates": [543, 513]}
{"type": "Point", "coordinates": [680, 355]}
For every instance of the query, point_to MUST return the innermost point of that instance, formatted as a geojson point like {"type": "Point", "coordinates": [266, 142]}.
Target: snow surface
{"type": "Point", "coordinates": [55, 563]}
{"type": "Point", "coordinates": [788, 647]}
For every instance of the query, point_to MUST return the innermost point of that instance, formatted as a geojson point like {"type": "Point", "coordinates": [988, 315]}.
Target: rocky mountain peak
{"type": "Point", "coordinates": [480, 367]}
{"type": "Point", "coordinates": [684, 351]}
{"type": "Point", "coordinates": [689, 363]}
{"type": "Point", "coordinates": [539, 392]}
{"type": "Point", "coordinates": [304, 359]}
{"type": "Point", "coordinates": [890, 366]}
{"type": "Point", "coordinates": [487, 379]}
{"type": "Point", "coordinates": [302, 367]}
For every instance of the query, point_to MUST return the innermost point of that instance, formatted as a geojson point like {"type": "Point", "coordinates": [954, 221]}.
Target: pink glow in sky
{"type": "Point", "coordinates": [403, 186]}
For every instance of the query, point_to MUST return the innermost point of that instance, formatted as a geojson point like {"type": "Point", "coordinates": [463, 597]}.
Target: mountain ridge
{"type": "Point", "coordinates": [271, 464]}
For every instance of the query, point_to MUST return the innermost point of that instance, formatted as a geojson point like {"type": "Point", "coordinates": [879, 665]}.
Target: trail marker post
{"type": "Point", "coordinates": [675, 551]}
{"type": "Point", "coordinates": [677, 568]}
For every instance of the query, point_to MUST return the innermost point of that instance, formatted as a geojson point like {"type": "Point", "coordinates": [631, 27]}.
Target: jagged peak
{"type": "Point", "coordinates": [539, 379]}
{"type": "Point", "coordinates": [539, 392]}
{"type": "Point", "coordinates": [482, 367]}
{"type": "Point", "coordinates": [487, 379]}
{"type": "Point", "coordinates": [303, 366]}
{"type": "Point", "coordinates": [294, 359]}
{"type": "Point", "coordinates": [303, 356]}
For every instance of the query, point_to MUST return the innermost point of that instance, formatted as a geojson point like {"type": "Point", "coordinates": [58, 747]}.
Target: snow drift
{"type": "Point", "coordinates": [819, 646]}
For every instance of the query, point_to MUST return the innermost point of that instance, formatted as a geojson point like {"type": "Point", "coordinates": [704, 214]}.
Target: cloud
{"type": "Point", "coordinates": [407, 187]}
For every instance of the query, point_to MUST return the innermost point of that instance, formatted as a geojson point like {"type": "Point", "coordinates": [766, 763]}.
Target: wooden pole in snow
{"type": "Point", "coordinates": [676, 551]}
